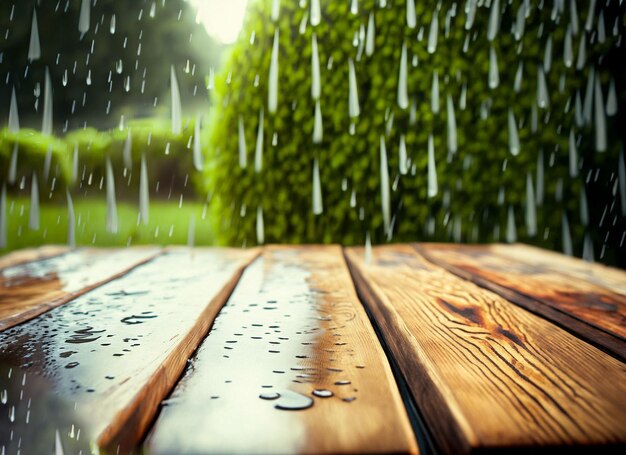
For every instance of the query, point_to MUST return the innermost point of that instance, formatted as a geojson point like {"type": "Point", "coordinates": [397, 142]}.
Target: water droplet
{"type": "Point", "coordinates": [269, 395]}
{"type": "Point", "coordinates": [260, 228]}
{"type": "Point", "coordinates": [370, 36]}
{"type": "Point", "coordinates": [111, 222]}
{"type": "Point", "coordinates": [403, 97]}
{"type": "Point", "coordinates": [318, 128]}
{"type": "Point", "coordinates": [243, 153]}
{"type": "Point", "coordinates": [434, 93]}
{"type": "Point", "coordinates": [144, 196]}
{"type": "Point", "coordinates": [411, 19]}
{"type": "Point", "coordinates": [33, 218]}
{"type": "Point", "coordinates": [293, 401]}
{"type": "Point", "coordinates": [402, 156]}
{"type": "Point", "coordinates": [275, 10]}
{"type": "Point", "coordinates": [531, 209]}
{"type": "Point", "coordinates": [322, 393]}
{"type": "Point", "coordinates": [494, 20]}
{"type": "Point", "coordinates": [316, 13]}
{"type": "Point", "coordinates": [318, 207]}
{"type": "Point", "coordinates": [34, 49]}
{"type": "Point", "coordinates": [14, 118]}
{"type": "Point", "coordinates": [433, 187]}
{"type": "Point", "coordinates": [46, 125]}
{"type": "Point", "coordinates": [566, 236]}
{"type": "Point", "coordinates": [354, 109]}
{"type": "Point", "coordinates": [511, 231]}
{"type": "Point", "coordinates": [452, 132]}
{"type": "Point", "coordinates": [177, 121]}
{"type": "Point", "coordinates": [494, 74]}
{"type": "Point", "coordinates": [514, 145]}
{"type": "Point", "coordinates": [85, 13]}
{"type": "Point", "coordinates": [433, 33]}
{"type": "Point", "coordinates": [316, 88]}
{"type": "Point", "coordinates": [384, 187]}
{"type": "Point", "coordinates": [258, 152]}
{"type": "Point", "coordinates": [272, 95]}
{"type": "Point", "coordinates": [600, 119]}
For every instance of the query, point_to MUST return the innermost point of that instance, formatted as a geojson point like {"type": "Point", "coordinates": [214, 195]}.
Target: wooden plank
{"type": "Point", "coordinates": [32, 288]}
{"type": "Point", "coordinates": [30, 254]}
{"type": "Point", "coordinates": [116, 352]}
{"type": "Point", "coordinates": [293, 325]}
{"type": "Point", "coordinates": [587, 300]}
{"type": "Point", "coordinates": [599, 274]}
{"type": "Point", "coordinates": [486, 373]}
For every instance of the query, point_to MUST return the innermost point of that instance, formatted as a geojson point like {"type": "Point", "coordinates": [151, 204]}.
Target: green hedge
{"type": "Point", "coordinates": [168, 157]}
{"type": "Point", "coordinates": [467, 206]}
{"type": "Point", "coordinates": [26, 152]}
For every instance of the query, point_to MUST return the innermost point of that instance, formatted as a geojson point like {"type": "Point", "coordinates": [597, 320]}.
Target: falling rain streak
{"type": "Point", "coordinates": [540, 75]}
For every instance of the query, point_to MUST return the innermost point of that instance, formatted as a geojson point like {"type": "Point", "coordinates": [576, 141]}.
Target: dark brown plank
{"type": "Point", "coordinates": [293, 324]}
{"type": "Point", "coordinates": [486, 373]}
{"type": "Point", "coordinates": [32, 288]}
{"type": "Point", "coordinates": [113, 354]}
{"type": "Point", "coordinates": [587, 300]}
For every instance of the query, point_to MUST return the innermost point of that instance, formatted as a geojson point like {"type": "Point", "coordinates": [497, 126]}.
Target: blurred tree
{"type": "Point", "coordinates": [119, 66]}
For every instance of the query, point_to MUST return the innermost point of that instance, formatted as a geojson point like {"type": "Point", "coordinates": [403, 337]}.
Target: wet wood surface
{"type": "Point", "coordinates": [33, 254]}
{"type": "Point", "coordinates": [293, 332]}
{"type": "Point", "coordinates": [117, 351]}
{"type": "Point", "coordinates": [587, 299]}
{"type": "Point", "coordinates": [496, 347]}
{"type": "Point", "coordinates": [54, 276]}
{"type": "Point", "coordinates": [486, 373]}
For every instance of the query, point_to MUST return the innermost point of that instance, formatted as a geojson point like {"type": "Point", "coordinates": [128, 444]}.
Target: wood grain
{"type": "Point", "coordinates": [486, 373]}
{"type": "Point", "coordinates": [31, 254]}
{"type": "Point", "coordinates": [29, 289]}
{"type": "Point", "coordinates": [598, 274]}
{"type": "Point", "coordinates": [589, 300]}
{"type": "Point", "coordinates": [293, 324]}
{"type": "Point", "coordinates": [118, 350]}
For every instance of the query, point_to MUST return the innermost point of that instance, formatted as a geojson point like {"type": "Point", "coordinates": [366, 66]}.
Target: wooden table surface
{"type": "Point", "coordinates": [423, 348]}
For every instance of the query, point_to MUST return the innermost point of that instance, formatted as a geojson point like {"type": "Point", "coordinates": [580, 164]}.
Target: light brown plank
{"type": "Point", "coordinates": [600, 275]}
{"type": "Point", "coordinates": [32, 288]}
{"type": "Point", "coordinates": [486, 373]}
{"type": "Point", "coordinates": [30, 254]}
{"type": "Point", "coordinates": [117, 351]}
{"type": "Point", "coordinates": [294, 323]}
{"type": "Point", "coordinates": [587, 300]}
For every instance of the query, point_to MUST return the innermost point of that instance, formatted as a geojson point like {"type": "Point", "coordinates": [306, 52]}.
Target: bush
{"type": "Point", "coordinates": [168, 158]}
{"type": "Point", "coordinates": [32, 151]}
{"type": "Point", "coordinates": [476, 185]}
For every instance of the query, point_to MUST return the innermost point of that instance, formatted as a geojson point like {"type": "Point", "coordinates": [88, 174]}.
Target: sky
{"type": "Point", "coordinates": [222, 19]}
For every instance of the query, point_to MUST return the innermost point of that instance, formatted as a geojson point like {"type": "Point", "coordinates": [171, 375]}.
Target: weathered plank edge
{"type": "Point", "coordinates": [446, 423]}
{"type": "Point", "coordinates": [26, 255]}
{"type": "Point", "coordinates": [423, 435]}
{"type": "Point", "coordinates": [605, 341]}
{"type": "Point", "coordinates": [44, 307]}
{"type": "Point", "coordinates": [130, 426]}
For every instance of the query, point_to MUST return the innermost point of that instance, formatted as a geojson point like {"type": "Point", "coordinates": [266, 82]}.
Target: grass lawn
{"type": "Point", "coordinates": [169, 224]}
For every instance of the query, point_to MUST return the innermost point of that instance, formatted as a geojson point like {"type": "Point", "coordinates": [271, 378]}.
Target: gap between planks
{"type": "Point", "coordinates": [486, 373]}
{"type": "Point", "coordinates": [118, 364]}
{"type": "Point", "coordinates": [292, 324]}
